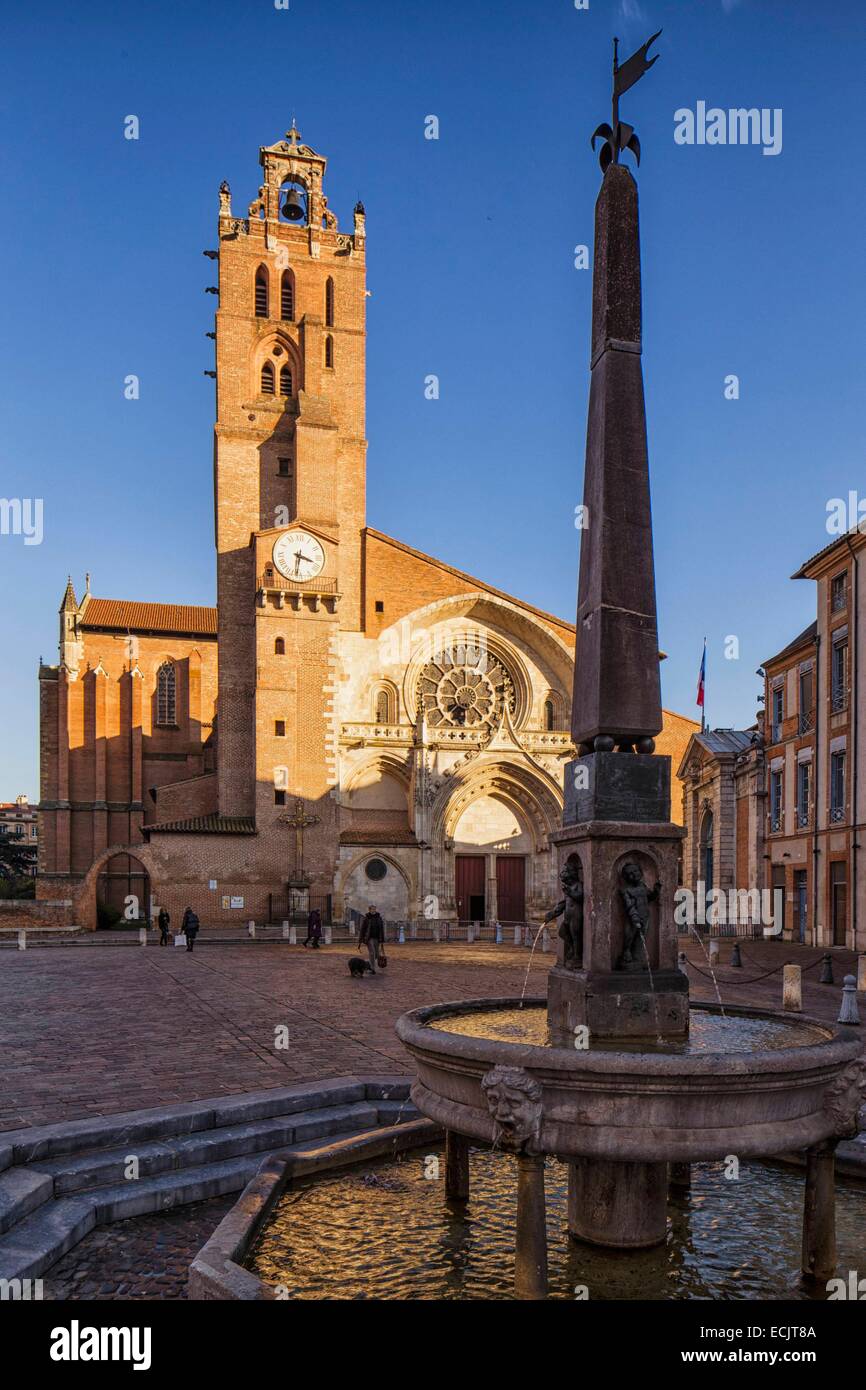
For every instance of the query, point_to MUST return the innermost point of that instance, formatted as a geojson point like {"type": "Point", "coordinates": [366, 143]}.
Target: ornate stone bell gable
{"type": "Point", "coordinates": [288, 160]}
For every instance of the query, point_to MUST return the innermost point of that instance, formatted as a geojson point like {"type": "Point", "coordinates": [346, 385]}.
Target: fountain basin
{"type": "Point", "coordinates": [643, 1106]}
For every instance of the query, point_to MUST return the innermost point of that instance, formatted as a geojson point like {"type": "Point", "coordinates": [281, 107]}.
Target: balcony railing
{"type": "Point", "coordinates": [775, 820]}
{"type": "Point", "coordinates": [837, 813]}
{"type": "Point", "coordinates": [294, 586]}
{"type": "Point", "coordinates": [838, 696]}
{"type": "Point", "coordinates": [776, 732]}
{"type": "Point", "coordinates": [807, 721]}
{"type": "Point", "coordinates": [804, 817]}
{"type": "Point", "coordinates": [839, 598]}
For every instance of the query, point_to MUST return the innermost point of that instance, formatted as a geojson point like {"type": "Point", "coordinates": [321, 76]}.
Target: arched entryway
{"type": "Point", "coordinates": [122, 891]}
{"type": "Point", "coordinates": [706, 851]}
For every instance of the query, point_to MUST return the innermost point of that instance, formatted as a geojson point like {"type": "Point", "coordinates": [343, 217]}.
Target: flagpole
{"type": "Point", "coordinates": [704, 705]}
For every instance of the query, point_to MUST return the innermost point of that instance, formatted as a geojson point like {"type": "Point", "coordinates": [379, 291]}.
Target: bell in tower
{"type": "Point", "coordinates": [294, 208]}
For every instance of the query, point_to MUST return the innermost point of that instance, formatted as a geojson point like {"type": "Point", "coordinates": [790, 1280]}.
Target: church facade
{"type": "Point", "coordinates": [355, 721]}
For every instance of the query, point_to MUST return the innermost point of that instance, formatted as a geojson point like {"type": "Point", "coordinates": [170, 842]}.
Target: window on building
{"type": "Point", "coordinates": [166, 694]}
{"type": "Point", "coordinates": [807, 701]}
{"type": "Point", "coordinates": [383, 711]}
{"type": "Point", "coordinates": [329, 351]}
{"type": "Point", "coordinates": [776, 799]}
{"type": "Point", "coordinates": [261, 293]}
{"type": "Point", "coordinates": [279, 798]}
{"type": "Point", "coordinates": [839, 674]}
{"type": "Point", "coordinates": [837, 785]}
{"type": "Point", "coordinates": [549, 716]}
{"type": "Point", "coordinates": [280, 647]}
{"type": "Point", "coordinates": [838, 591]}
{"type": "Point", "coordinates": [804, 794]}
{"type": "Point", "coordinates": [380, 605]}
{"type": "Point", "coordinates": [778, 708]}
{"type": "Point", "coordinates": [268, 379]}
{"type": "Point", "coordinates": [280, 728]}
{"type": "Point", "coordinates": [287, 297]}
{"type": "Point", "coordinates": [329, 302]}
{"type": "Point", "coordinates": [284, 468]}
{"type": "Point", "coordinates": [286, 381]}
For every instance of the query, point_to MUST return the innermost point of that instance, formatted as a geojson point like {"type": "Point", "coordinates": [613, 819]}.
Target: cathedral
{"type": "Point", "coordinates": [355, 721]}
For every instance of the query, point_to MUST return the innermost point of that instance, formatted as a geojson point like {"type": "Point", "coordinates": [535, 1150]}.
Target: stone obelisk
{"type": "Point", "coordinates": [618, 976]}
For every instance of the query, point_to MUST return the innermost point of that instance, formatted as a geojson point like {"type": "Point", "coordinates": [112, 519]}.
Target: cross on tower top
{"type": "Point", "coordinates": [293, 135]}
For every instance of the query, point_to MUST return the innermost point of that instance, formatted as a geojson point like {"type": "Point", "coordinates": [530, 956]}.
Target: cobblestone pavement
{"type": "Point", "coordinates": [147, 1257]}
{"type": "Point", "coordinates": [95, 1031]}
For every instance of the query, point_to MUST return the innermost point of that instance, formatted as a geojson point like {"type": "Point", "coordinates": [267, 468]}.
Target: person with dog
{"type": "Point", "coordinates": [372, 935]}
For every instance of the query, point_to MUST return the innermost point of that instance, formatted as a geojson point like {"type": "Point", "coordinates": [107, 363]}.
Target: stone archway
{"type": "Point", "coordinates": [84, 910]}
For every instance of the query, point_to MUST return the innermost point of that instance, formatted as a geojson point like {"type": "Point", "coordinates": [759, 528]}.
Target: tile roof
{"type": "Point", "coordinates": [726, 740]}
{"type": "Point", "coordinates": [205, 825]}
{"type": "Point", "coordinates": [126, 616]}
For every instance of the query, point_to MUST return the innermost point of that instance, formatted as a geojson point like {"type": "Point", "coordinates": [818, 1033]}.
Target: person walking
{"type": "Point", "coordinates": [314, 928]}
{"type": "Point", "coordinates": [189, 927]}
{"type": "Point", "coordinates": [164, 922]}
{"type": "Point", "coordinates": [371, 935]}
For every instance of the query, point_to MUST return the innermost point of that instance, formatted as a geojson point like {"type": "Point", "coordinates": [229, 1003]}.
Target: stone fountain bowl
{"type": "Point", "coordinates": [644, 1106]}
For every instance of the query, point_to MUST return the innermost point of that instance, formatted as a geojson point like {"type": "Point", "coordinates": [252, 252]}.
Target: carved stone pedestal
{"type": "Point", "coordinates": [619, 1205]}
{"type": "Point", "coordinates": [643, 997]}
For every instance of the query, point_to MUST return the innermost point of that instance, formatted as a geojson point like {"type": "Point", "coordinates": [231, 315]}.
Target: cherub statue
{"type": "Point", "coordinates": [636, 899]}
{"type": "Point", "coordinates": [570, 909]}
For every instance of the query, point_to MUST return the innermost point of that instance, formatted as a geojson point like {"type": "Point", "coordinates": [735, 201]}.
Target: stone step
{"type": "Point", "coordinates": [140, 1126]}
{"type": "Point", "coordinates": [80, 1172]}
{"type": "Point", "coordinates": [22, 1190]}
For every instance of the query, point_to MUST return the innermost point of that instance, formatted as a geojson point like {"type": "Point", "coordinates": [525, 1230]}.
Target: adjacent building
{"type": "Point", "coordinates": [780, 806]}
{"type": "Point", "coordinates": [18, 820]}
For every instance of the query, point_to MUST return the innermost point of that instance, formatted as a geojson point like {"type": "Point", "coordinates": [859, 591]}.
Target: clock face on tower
{"type": "Point", "coordinates": [298, 555]}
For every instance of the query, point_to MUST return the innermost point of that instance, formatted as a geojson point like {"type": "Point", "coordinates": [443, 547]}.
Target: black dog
{"type": "Point", "coordinates": [357, 966]}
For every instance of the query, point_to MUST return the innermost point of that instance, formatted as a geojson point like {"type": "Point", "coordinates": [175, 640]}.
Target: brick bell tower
{"type": "Point", "coordinates": [289, 482]}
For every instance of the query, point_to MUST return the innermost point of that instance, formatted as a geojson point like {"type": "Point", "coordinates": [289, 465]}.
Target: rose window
{"type": "Point", "coordinates": [465, 696]}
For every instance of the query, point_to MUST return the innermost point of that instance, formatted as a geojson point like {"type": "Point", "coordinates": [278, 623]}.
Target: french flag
{"type": "Point", "coordinates": [702, 676]}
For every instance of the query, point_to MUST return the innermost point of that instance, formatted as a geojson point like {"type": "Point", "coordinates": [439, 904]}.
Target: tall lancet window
{"type": "Point", "coordinates": [261, 293]}
{"type": "Point", "coordinates": [166, 694]}
{"type": "Point", "coordinates": [268, 379]}
{"type": "Point", "coordinates": [329, 302]}
{"type": "Point", "coordinates": [285, 381]}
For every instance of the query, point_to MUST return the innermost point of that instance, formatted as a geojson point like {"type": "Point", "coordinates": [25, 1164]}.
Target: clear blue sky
{"type": "Point", "coordinates": [752, 265]}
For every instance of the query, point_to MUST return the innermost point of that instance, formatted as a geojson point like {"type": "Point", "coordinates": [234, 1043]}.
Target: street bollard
{"type": "Point", "coordinates": [435, 931]}
{"type": "Point", "coordinates": [792, 989]}
{"type": "Point", "coordinates": [401, 935]}
{"type": "Point", "coordinates": [682, 962]}
{"type": "Point", "coordinates": [861, 974]}
{"type": "Point", "coordinates": [545, 940]}
{"type": "Point", "coordinates": [517, 934]}
{"type": "Point", "coordinates": [327, 934]}
{"type": "Point", "coordinates": [22, 940]}
{"type": "Point", "coordinates": [251, 929]}
{"type": "Point", "coordinates": [285, 931]}
{"type": "Point", "coordinates": [142, 936]}
{"type": "Point", "coordinates": [735, 956]}
{"type": "Point", "coordinates": [413, 930]}
{"type": "Point", "coordinates": [498, 934]}
{"type": "Point", "coordinates": [848, 1013]}
{"type": "Point", "coordinates": [470, 932]}
{"type": "Point", "coordinates": [714, 953]}
{"type": "Point", "coordinates": [826, 977]}
{"type": "Point", "coordinates": [293, 935]}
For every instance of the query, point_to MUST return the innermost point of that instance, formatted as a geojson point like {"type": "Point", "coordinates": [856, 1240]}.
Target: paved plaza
{"type": "Point", "coordinates": [90, 1030]}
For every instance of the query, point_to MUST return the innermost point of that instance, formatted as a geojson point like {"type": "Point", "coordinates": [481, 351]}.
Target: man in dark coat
{"type": "Point", "coordinates": [189, 927]}
{"type": "Point", "coordinates": [164, 921]}
{"type": "Point", "coordinates": [371, 935]}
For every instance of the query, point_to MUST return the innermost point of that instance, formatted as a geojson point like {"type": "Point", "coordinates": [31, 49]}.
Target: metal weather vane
{"type": "Point", "coordinates": [620, 135]}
